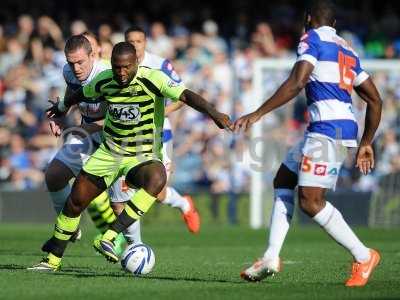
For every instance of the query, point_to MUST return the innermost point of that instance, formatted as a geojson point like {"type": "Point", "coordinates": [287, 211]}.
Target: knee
{"type": "Point", "coordinates": [57, 176]}
{"type": "Point", "coordinates": [51, 179]}
{"type": "Point", "coordinates": [285, 178]}
{"type": "Point", "coordinates": [310, 201]}
{"type": "Point", "coordinates": [73, 207]}
{"type": "Point", "coordinates": [76, 204]}
{"type": "Point", "coordinates": [156, 182]}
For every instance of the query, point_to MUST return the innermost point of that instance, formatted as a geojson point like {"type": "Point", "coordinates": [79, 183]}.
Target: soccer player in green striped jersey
{"type": "Point", "coordinates": [132, 136]}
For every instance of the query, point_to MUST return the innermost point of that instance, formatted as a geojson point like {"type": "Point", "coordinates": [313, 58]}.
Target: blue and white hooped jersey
{"type": "Point", "coordinates": [336, 70]}
{"type": "Point", "coordinates": [91, 111]}
{"type": "Point", "coordinates": [156, 62]}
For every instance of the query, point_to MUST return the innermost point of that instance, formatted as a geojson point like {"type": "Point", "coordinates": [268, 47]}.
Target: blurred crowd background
{"type": "Point", "coordinates": [213, 49]}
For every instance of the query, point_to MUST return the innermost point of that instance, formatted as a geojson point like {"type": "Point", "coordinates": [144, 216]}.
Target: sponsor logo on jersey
{"type": "Point", "coordinates": [320, 170]}
{"type": "Point", "coordinates": [134, 90]}
{"type": "Point", "coordinates": [303, 46]}
{"type": "Point", "coordinates": [172, 83]}
{"type": "Point", "coordinates": [333, 171]}
{"type": "Point", "coordinates": [89, 108]}
{"type": "Point", "coordinates": [128, 113]}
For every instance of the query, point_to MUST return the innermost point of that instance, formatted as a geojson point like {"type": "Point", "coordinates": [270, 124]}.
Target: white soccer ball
{"type": "Point", "coordinates": [138, 259]}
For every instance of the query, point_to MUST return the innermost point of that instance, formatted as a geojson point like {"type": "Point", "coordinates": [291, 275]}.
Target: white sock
{"type": "Point", "coordinates": [132, 233]}
{"type": "Point", "coordinates": [59, 198]}
{"type": "Point", "coordinates": [281, 217]}
{"type": "Point", "coordinates": [176, 200]}
{"type": "Point", "coordinates": [332, 221]}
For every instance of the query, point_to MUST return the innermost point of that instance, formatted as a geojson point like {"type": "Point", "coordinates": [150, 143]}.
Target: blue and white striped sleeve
{"type": "Point", "coordinates": [361, 75]}
{"type": "Point", "coordinates": [308, 48]}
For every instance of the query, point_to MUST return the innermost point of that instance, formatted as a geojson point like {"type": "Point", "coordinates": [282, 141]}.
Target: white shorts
{"type": "Point", "coordinates": [317, 161]}
{"type": "Point", "coordinates": [119, 190]}
{"type": "Point", "coordinates": [76, 151]}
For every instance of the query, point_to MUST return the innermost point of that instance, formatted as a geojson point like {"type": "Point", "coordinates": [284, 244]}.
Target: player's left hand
{"type": "Point", "coordinates": [365, 158]}
{"type": "Point", "coordinates": [245, 122]}
{"type": "Point", "coordinates": [223, 121]}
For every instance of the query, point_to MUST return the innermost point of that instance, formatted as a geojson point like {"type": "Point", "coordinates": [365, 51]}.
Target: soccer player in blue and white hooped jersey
{"type": "Point", "coordinates": [169, 196]}
{"type": "Point", "coordinates": [329, 70]}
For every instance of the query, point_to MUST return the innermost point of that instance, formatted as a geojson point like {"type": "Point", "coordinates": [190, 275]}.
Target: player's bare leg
{"type": "Point", "coordinates": [312, 202]}
{"type": "Point", "coordinates": [85, 188]}
{"type": "Point", "coordinates": [285, 182]}
{"type": "Point", "coordinates": [57, 177]}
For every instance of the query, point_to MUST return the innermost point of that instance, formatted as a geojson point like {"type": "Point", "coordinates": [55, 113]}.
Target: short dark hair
{"type": "Point", "coordinates": [134, 29]}
{"type": "Point", "coordinates": [76, 42]}
{"type": "Point", "coordinates": [91, 34]}
{"type": "Point", "coordinates": [123, 48]}
{"type": "Point", "coordinates": [324, 11]}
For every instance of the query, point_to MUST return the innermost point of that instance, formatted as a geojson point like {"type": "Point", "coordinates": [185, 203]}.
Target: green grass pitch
{"type": "Point", "coordinates": [205, 266]}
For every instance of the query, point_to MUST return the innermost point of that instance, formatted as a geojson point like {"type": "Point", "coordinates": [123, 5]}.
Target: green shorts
{"type": "Point", "coordinates": [109, 166]}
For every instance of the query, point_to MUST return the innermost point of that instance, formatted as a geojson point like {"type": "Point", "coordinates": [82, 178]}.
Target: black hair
{"type": "Point", "coordinates": [134, 29]}
{"type": "Point", "coordinates": [123, 48]}
{"type": "Point", "coordinates": [323, 11]}
{"type": "Point", "coordinates": [77, 42]}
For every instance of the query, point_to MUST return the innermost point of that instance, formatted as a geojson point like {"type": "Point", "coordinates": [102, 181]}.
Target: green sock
{"type": "Point", "coordinates": [101, 213]}
{"type": "Point", "coordinates": [65, 227]}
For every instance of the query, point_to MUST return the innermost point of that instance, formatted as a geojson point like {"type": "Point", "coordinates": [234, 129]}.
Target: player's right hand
{"type": "Point", "coordinates": [55, 127]}
{"type": "Point", "coordinates": [244, 123]}
{"type": "Point", "coordinates": [223, 121]}
{"type": "Point", "coordinates": [365, 158]}
{"type": "Point", "coordinates": [53, 111]}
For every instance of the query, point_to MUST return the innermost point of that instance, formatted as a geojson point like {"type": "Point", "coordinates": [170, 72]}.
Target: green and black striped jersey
{"type": "Point", "coordinates": [135, 115]}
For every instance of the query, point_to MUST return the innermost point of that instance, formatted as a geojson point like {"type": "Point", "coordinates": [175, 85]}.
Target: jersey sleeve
{"type": "Point", "coordinates": [167, 87]}
{"type": "Point", "coordinates": [169, 70]}
{"type": "Point", "coordinates": [92, 90]}
{"type": "Point", "coordinates": [361, 75]}
{"type": "Point", "coordinates": [308, 48]}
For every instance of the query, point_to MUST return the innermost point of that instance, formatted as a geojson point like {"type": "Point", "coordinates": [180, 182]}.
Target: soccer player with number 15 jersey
{"type": "Point", "coordinates": [328, 69]}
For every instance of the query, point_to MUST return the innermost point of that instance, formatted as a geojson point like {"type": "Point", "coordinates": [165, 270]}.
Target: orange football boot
{"type": "Point", "coordinates": [191, 217]}
{"type": "Point", "coordinates": [361, 272]}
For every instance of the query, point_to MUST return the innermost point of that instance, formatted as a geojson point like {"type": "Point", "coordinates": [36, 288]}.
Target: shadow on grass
{"type": "Point", "coordinates": [87, 273]}
{"type": "Point", "coordinates": [37, 254]}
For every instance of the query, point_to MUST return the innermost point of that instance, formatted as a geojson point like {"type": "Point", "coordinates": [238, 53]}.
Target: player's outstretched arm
{"type": "Point", "coordinates": [365, 155]}
{"type": "Point", "coordinates": [170, 108]}
{"type": "Point", "coordinates": [296, 81]}
{"type": "Point", "coordinates": [200, 104]}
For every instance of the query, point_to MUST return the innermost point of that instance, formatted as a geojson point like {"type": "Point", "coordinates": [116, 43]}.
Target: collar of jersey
{"type": "Point", "coordinates": [90, 77]}
{"type": "Point", "coordinates": [325, 27]}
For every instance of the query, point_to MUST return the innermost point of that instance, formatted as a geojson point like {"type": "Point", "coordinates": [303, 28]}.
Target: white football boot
{"type": "Point", "coordinates": [261, 269]}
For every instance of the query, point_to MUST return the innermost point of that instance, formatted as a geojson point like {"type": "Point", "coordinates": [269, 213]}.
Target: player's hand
{"type": "Point", "coordinates": [245, 122]}
{"type": "Point", "coordinates": [365, 158]}
{"type": "Point", "coordinates": [223, 121]}
{"type": "Point", "coordinates": [55, 127]}
{"type": "Point", "coordinates": [53, 111]}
